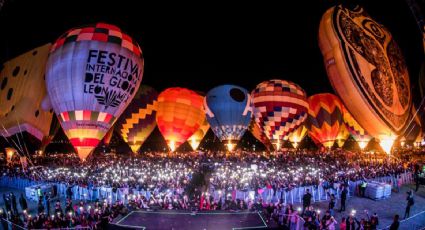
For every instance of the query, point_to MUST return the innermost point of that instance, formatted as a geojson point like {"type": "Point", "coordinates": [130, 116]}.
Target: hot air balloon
{"type": "Point", "coordinates": [359, 134]}
{"type": "Point", "coordinates": [259, 135]}
{"type": "Point", "coordinates": [22, 91]}
{"type": "Point", "coordinates": [93, 73]}
{"type": "Point", "coordinates": [280, 107]}
{"type": "Point", "coordinates": [342, 136]}
{"type": "Point", "coordinates": [138, 120]}
{"type": "Point", "coordinates": [180, 114]}
{"type": "Point", "coordinates": [367, 70]}
{"type": "Point", "coordinates": [296, 136]}
{"type": "Point", "coordinates": [197, 137]}
{"type": "Point", "coordinates": [229, 110]}
{"type": "Point", "coordinates": [324, 118]}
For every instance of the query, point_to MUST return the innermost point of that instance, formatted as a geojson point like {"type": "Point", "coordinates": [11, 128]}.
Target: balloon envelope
{"type": "Point", "coordinates": [342, 136]}
{"type": "Point", "coordinates": [93, 73]}
{"type": "Point", "coordinates": [324, 118]}
{"type": "Point", "coordinates": [367, 70]}
{"type": "Point", "coordinates": [359, 134]}
{"type": "Point", "coordinates": [280, 107]}
{"type": "Point", "coordinates": [180, 114]}
{"type": "Point", "coordinates": [22, 92]}
{"type": "Point", "coordinates": [297, 135]}
{"type": "Point", "coordinates": [259, 135]}
{"type": "Point", "coordinates": [228, 111]}
{"type": "Point", "coordinates": [197, 137]}
{"type": "Point", "coordinates": [139, 118]}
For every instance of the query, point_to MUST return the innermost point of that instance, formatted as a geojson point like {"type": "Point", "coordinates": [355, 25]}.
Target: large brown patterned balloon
{"type": "Point", "coordinates": [366, 69]}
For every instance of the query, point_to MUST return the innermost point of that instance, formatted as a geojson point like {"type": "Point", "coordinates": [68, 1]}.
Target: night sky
{"type": "Point", "coordinates": [202, 46]}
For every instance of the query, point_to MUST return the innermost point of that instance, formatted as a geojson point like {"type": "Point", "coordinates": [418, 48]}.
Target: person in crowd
{"type": "Point", "coordinates": [328, 221]}
{"type": "Point", "coordinates": [331, 205]}
{"type": "Point", "coordinates": [410, 203]}
{"type": "Point", "coordinates": [7, 203]}
{"type": "Point", "coordinates": [396, 223]}
{"type": "Point", "coordinates": [14, 204]}
{"type": "Point", "coordinates": [343, 224]}
{"type": "Point", "coordinates": [344, 193]}
{"type": "Point", "coordinates": [363, 186]}
{"type": "Point", "coordinates": [306, 199]}
{"type": "Point", "coordinates": [23, 203]}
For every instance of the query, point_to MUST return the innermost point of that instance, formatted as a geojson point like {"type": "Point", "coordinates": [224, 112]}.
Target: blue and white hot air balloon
{"type": "Point", "coordinates": [229, 110]}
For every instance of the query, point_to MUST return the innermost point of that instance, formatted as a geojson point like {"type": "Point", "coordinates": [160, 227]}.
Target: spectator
{"type": "Point", "coordinates": [23, 203]}
{"type": "Point", "coordinates": [343, 198]}
{"type": "Point", "coordinates": [306, 199]}
{"type": "Point", "coordinates": [395, 224]}
{"type": "Point", "coordinates": [410, 203]}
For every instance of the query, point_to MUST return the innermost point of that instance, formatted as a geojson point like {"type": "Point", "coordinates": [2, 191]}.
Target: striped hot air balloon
{"type": "Point", "coordinates": [343, 135]}
{"type": "Point", "coordinates": [139, 119]}
{"type": "Point", "coordinates": [180, 114]}
{"type": "Point", "coordinates": [280, 107]}
{"type": "Point", "coordinates": [197, 137]}
{"type": "Point", "coordinates": [259, 135]}
{"type": "Point", "coordinates": [359, 134]}
{"type": "Point", "coordinates": [92, 74]}
{"type": "Point", "coordinates": [296, 136]}
{"type": "Point", "coordinates": [228, 110]}
{"type": "Point", "coordinates": [324, 118]}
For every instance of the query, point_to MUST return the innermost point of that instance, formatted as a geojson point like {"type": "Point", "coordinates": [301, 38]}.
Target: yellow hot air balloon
{"type": "Point", "coordinates": [138, 121]}
{"type": "Point", "coordinates": [359, 134]}
{"type": "Point", "coordinates": [22, 91]}
{"type": "Point", "coordinates": [180, 114]}
{"type": "Point", "coordinates": [324, 118]}
{"type": "Point", "coordinates": [343, 135]}
{"type": "Point", "coordinates": [197, 137]}
{"type": "Point", "coordinates": [367, 70]}
{"type": "Point", "coordinates": [297, 135]}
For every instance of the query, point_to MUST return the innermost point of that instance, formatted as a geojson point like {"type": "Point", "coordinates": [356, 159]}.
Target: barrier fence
{"type": "Point", "coordinates": [11, 226]}
{"type": "Point", "coordinates": [319, 192]}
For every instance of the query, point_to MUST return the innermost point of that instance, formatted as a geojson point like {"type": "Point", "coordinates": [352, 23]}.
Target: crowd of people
{"type": "Point", "coordinates": [188, 183]}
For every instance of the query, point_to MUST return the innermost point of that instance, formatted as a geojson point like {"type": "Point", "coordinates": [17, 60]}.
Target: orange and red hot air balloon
{"type": "Point", "coordinates": [180, 114]}
{"type": "Point", "coordinates": [324, 118]}
{"type": "Point", "coordinates": [92, 74]}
